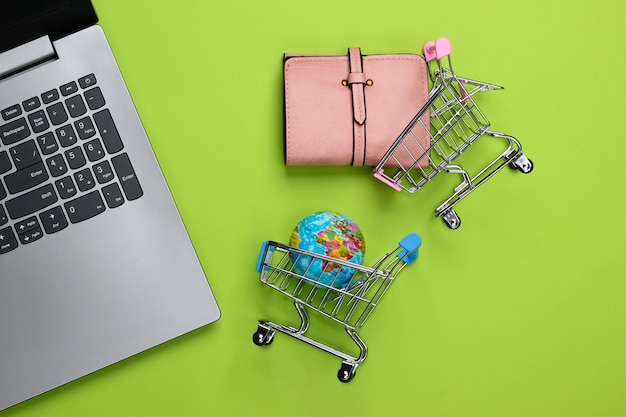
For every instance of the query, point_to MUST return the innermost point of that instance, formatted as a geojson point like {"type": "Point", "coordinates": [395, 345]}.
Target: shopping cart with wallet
{"type": "Point", "coordinates": [446, 126]}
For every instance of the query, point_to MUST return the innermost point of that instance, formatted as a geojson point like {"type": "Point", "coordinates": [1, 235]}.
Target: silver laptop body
{"type": "Point", "coordinates": [100, 272]}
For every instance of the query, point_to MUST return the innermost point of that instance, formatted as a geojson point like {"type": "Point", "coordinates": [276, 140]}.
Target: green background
{"type": "Point", "coordinates": [520, 312]}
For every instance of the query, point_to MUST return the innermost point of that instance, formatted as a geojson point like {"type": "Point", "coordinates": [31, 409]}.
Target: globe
{"type": "Point", "coordinates": [332, 234]}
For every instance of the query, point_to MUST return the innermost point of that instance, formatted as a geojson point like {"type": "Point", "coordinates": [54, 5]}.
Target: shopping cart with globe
{"type": "Point", "coordinates": [443, 129]}
{"type": "Point", "coordinates": [339, 290]}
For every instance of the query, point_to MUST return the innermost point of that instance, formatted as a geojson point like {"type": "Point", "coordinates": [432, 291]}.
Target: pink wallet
{"type": "Point", "coordinates": [349, 109]}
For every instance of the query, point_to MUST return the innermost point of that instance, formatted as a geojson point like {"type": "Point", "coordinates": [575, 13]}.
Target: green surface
{"type": "Point", "coordinates": [520, 312]}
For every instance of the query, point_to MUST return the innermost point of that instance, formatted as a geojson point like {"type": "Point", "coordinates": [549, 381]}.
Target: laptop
{"type": "Point", "coordinates": [95, 262]}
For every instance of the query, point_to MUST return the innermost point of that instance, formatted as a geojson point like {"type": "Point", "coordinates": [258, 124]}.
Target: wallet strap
{"type": "Point", "coordinates": [356, 82]}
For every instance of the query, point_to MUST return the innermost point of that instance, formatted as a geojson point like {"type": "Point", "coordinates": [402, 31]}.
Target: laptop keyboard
{"type": "Point", "coordinates": [61, 163]}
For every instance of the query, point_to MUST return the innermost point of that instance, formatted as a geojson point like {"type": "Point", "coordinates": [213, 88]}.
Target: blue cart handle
{"type": "Point", "coordinates": [410, 247]}
{"type": "Point", "coordinates": [261, 259]}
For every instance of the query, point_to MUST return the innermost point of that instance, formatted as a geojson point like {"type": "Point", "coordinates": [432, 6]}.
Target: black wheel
{"type": "Point", "coordinates": [258, 338]}
{"type": "Point", "coordinates": [347, 372]}
{"type": "Point", "coordinates": [263, 336]}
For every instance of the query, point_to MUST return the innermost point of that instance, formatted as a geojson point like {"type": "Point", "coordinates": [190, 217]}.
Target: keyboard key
{"type": "Point", "coordinates": [103, 172]}
{"type": "Point", "coordinates": [50, 96]}
{"type": "Point", "coordinates": [56, 165]}
{"type": "Point", "coordinates": [84, 179]}
{"type": "Point", "coordinates": [75, 157]}
{"type": "Point", "coordinates": [66, 188]}
{"type": "Point", "coordinates": [53, 220]}
{"type": "Point", "coordinates": [8, 241]}
{"type": "Point", "coordinates": [66, 136]}
{"type": "Point", "coordinates": [25, 154]}
{"type": "Point", "coordinates": [3, 192]}
{"type": "Point", "coordinates": [126, 175]}
{"type": "Point", "coordinates": [69, 88]}
{"type": "Point", "coordinates": [57, 114]}
{"type": "Point", "coordinates": [47, 143]}
{"type": "Point", "coordinates": [31, 201]}
{"type": "Point", "coordinates": [76, 106]}
{"type": "Point", "coordinates": [113, 195]}
{"type": "Point", "coordinates": [84, 207]}
{"type": "Point", "coordinates": [14, 131]}
{"type": "Point", "coordinates": [87, 81]}
{"type": "Point", "coordinates": [26, 178]}
{"type": "Point", "coordinates": [11, 112]}
{"type": "Point", "coordinates": [5, 162]}
{"type": "Point", "coordinates": [30, 236]}
{"type": "Point", "coordinates": [108, 131]}
{"type": "Point", "coordinates": [94, 150]}
{"type": "Point", "coordinates": [85, 128]}
{"type": "Point", "coordinates": [26, 225]}
{"type": "Point", "coordinates": [4, 219]}
{"type": "Point", "coordinates": [31, 104]}
{"type": "Point", "coordinates": [94, 98]}
{"type": "Point", "coordinates": [38, 121]}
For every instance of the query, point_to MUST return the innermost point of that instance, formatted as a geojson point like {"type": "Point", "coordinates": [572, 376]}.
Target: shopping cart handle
{"type": "Point", "coordinates": [437, 50]}
{"type": "Point", "coordinates": [410, 245]}
{"type": "Point", "coordinates": [259, 262]}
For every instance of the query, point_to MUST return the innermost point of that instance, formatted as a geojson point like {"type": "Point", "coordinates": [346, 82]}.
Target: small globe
{"type": "Point", "coordinates": [332, 234]}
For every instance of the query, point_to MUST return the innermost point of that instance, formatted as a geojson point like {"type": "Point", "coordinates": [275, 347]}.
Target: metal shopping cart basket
{"type": "Point", "coordinates": [445, 127]}
{"type": "Point", "coordinates": [281, 268]}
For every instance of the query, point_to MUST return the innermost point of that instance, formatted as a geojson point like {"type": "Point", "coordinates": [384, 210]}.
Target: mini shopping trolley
{"type": "Point", "coordinates": [445, 127]}
{"type": "Point", "coordinates": [349, 304]}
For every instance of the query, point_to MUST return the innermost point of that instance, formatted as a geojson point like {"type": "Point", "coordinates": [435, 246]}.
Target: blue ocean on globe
{"type": "Point", "coordinates": [332, 234]}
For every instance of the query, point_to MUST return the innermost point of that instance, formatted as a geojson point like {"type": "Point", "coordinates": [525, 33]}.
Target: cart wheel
{"type": "Point", "coordinates": [263, 337]}
{"type": "Point", "coordinates": [452, 219]}
{"type": "Point", "coordinates": [347, 372]}
{"type": "Point", "coordinates": [528, 167]}
{"type": "Point", "coordinates": [523, 164]}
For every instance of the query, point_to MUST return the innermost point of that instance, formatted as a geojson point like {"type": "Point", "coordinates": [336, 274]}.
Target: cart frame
{"type": "Point", "coordinates": [350, 304]}
{"type": "Point", "coordinates": [452, 121]}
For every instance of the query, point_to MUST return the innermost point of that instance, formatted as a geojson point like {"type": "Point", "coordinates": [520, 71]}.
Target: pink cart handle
{"type": "Point", "coordinates": [437, 50]}
{"type": "Point", "coordinates": [379, 175]}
